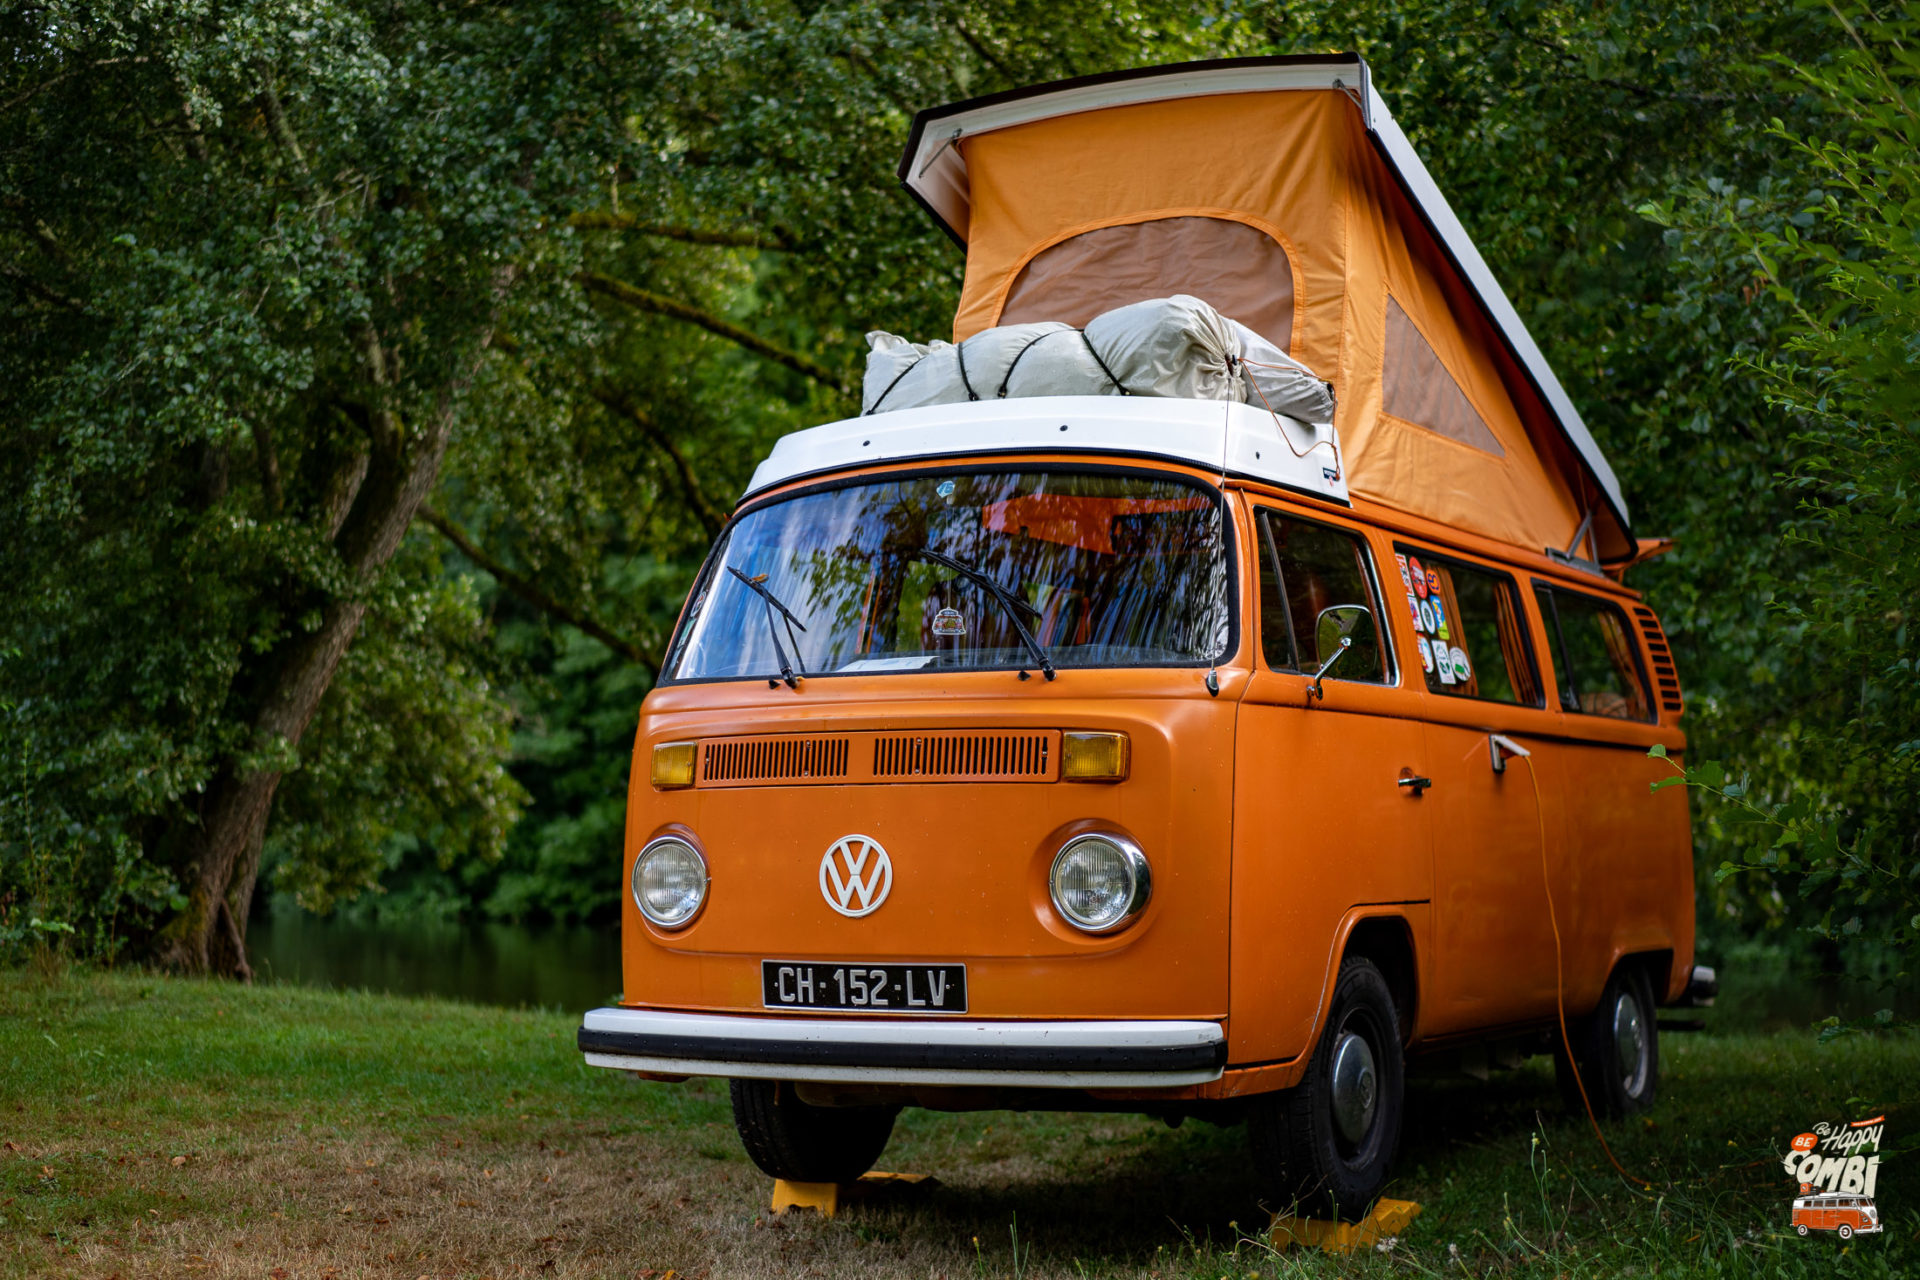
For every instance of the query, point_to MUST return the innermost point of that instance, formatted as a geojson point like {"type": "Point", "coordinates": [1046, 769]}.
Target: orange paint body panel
{"type": "Point", "coordinates": [969, 858]}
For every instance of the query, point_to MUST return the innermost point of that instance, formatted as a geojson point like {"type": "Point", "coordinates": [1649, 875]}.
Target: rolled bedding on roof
{"type": "Point", "coordinates": [1177, 347]}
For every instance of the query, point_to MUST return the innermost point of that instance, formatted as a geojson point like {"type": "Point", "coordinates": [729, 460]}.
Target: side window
{"type": "Point", "coordinates": [1304, 569]}
{"type": "Point", "coordinates": [1472, 641]}
{"type": "Point", "coordinates": [1593, 653]}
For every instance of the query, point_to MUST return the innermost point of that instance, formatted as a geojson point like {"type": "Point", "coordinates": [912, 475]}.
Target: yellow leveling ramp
{"type": "Point", "coordinates": [1389, 1218]}
{"type": "Point", "coordinates": [825, 1197]}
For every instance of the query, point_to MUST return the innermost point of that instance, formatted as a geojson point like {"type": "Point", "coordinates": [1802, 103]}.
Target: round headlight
{"type": "Point", "coordinates": [1099, 882]}
{"type": "Point", "coordinates": [669, 882]}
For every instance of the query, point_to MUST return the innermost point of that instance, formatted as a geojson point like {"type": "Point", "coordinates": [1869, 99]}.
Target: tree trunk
{"type": "Point", "coordinates": [209, 936]}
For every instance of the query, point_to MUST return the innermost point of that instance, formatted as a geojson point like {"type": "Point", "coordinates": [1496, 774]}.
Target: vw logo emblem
{"type": "Point", "coordinates": [855, 875]}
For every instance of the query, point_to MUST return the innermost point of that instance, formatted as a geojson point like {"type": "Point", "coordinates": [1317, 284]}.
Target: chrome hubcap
{"type": "Point", "coordinates": [1630, 1043]}
{"type": "Point", "coordinates": [1355, 1087]}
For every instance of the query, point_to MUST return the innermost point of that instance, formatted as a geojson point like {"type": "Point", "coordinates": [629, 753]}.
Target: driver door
{"type": "Point", "coordinates": [1322, 822]}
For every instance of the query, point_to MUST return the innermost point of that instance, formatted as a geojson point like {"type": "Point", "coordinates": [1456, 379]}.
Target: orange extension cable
{"type": "Point", "coordinates": [1559, 978]}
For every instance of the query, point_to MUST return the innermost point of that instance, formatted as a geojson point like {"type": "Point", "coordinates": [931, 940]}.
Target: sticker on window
{"type": "Point", "coordinates": [1433, 582]}
{"type": "Point", "coordinates": [1420, 587]}
{"type": "Point", "coordinates": [1426, 654]}
{"type": "Point", "coordinates": [1443, 667]}
{"type": "Point", "coordinates": [948, 622]}
{"type": "Point", "coordinates": [1427, 618]}
{"type": "Point", "coordinates": [1406, 577]}
{"type": "Point", "coordinates": [1461, 671]}
{"type": "Point", "coordinates": [1413, 607]}
{"type": "Point", "coordinates": [1439, 617]}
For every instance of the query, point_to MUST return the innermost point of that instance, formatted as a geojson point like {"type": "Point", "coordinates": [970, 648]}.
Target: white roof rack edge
{"type": "Point", "coordinates": [1220, 436]}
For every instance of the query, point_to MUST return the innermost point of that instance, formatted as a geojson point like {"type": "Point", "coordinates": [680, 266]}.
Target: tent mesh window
{"type": "Point", "coordinates": [1418, 388]}
{"type": "Point", "coordinates": [1237, 269]}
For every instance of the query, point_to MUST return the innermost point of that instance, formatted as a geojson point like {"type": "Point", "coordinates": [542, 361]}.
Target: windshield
{"type": "Point", "coordinates": [948, 569]}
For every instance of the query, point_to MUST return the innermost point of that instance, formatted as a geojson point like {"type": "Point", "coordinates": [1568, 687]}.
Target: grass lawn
{"type": "Point", "coordinates": [156, 1127]}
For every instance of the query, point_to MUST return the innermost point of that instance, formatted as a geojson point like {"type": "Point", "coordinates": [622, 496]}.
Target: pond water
{"type": "Point", "coordinates": [575, 969]}
{"type": "Point", "coordinates": [557, 968]}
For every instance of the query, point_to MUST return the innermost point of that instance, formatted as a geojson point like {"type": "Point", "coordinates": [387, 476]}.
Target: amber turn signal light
{"type": "Point", "coordinates": [673, 764]}
{"type": "Point", "coordinates": [1093, 757]}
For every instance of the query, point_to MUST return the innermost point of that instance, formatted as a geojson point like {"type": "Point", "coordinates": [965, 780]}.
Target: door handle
{"type": "Point", "coordinates": [1415, 785]}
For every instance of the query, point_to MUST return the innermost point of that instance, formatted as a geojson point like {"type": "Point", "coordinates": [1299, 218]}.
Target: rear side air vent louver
{"type": "Point", "coordinates": [1666, 681]}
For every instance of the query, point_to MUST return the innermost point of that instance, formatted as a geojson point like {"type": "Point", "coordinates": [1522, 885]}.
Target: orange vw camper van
{"type": "Point", "coordinates": [1848, 1215]}
{"type": "Point", "coordinates": [1160, 754]}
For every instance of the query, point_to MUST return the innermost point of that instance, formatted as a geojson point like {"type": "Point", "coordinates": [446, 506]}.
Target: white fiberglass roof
{"type": "Point", "coordinates": [1219, 435]}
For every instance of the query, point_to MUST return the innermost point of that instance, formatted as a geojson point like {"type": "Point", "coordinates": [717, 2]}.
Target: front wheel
{"type": "Point", "coordinates": [1325, 1145]}
{"type": "Point", "coordinates": [791, 1140]}
{"type": "Point", "coordinates": [1846, 1232]}
{"type": "Point", "coordinates": [1617, 1047]}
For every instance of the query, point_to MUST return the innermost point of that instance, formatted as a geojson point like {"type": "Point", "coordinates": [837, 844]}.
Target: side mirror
{"type": "Point", "coordinates": [1333, 635]}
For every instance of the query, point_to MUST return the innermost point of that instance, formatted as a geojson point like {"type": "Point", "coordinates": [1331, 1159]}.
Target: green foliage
{"type": "Point", "coordinates": [1827, 243]}
{"type": "Point", "coordinates": [624, 248]}
{"type": "Point", "coordinates": [1799, 841]}
{"type": "Point", "coordinates": [251, 257]}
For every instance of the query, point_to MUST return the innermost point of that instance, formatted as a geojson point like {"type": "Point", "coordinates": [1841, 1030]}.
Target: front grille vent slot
{"type": "Point", "coordinates": [964, 757]}
{"type": "Point", "coordinates": [1665, 678]}
{"type": "Point", "coordinates": [775, 760]}
{"type": "Point", "coordinates": [867, 757]}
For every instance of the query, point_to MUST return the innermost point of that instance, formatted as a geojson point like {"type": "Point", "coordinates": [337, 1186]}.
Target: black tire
{"type": "Point", "coordinates": [1622, 1077]}
{"type": "Point", "coordinates": [1308, 1158]}
{"type": "Point", "coordinates": [789, 1139]}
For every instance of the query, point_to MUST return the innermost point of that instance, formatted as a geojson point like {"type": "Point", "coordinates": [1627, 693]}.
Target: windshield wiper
{"type": "Point", "coordinates": [1011, 603]}
{"type": "Point", "coordinates": [758, 587]}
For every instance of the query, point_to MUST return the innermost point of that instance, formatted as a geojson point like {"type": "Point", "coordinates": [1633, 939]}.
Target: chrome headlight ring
{"type": "Point", "coordinates": [670, 882]}
{"type": "Point", "coordinates": [1099, 881]}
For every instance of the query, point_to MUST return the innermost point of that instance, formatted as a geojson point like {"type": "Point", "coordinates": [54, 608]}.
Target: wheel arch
{"type": "Point", "coordinates": [1655, 963]}
{"type": "Point", "coordinates": [1387, 940]}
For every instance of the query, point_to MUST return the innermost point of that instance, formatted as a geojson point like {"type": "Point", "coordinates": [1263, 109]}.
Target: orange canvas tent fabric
{"type": "Point", "coordinates": [1280, 204]}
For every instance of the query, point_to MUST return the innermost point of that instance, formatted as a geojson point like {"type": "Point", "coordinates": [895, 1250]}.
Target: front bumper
{"type": "Point", "coordinates": [1044, 1055]}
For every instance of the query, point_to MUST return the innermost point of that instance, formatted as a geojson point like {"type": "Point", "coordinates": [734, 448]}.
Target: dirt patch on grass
{"type": "Point", "coordinates": [588, 1204]}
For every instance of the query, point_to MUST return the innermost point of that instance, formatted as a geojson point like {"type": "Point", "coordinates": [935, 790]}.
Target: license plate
{"type": "Point", "coordinates": [895, 988]}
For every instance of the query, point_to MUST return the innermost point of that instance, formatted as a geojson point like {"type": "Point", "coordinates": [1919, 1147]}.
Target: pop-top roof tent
{"type": "Point", "coordinates": [1281, 191]}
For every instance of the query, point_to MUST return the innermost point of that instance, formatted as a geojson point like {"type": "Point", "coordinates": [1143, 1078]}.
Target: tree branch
{"type": "Point", "coordinates": [602, 220]}
{"type": "Point", "coordinates": [268, 459]}
{"type": "Point", "coordinates": [277, 123]}
{"type": "Point", "coordinates": [642, 300]}
{"type": "Point", "coordinates": [987, 55]}
{"type": "Point", "coordinates": [41, 291]}
{"type": "Point", "coordinates": [710, 517]}
{"type": "Point", "coordinates": [530, 592]}
{"type": "Point", "coordinates": [56, 78]}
